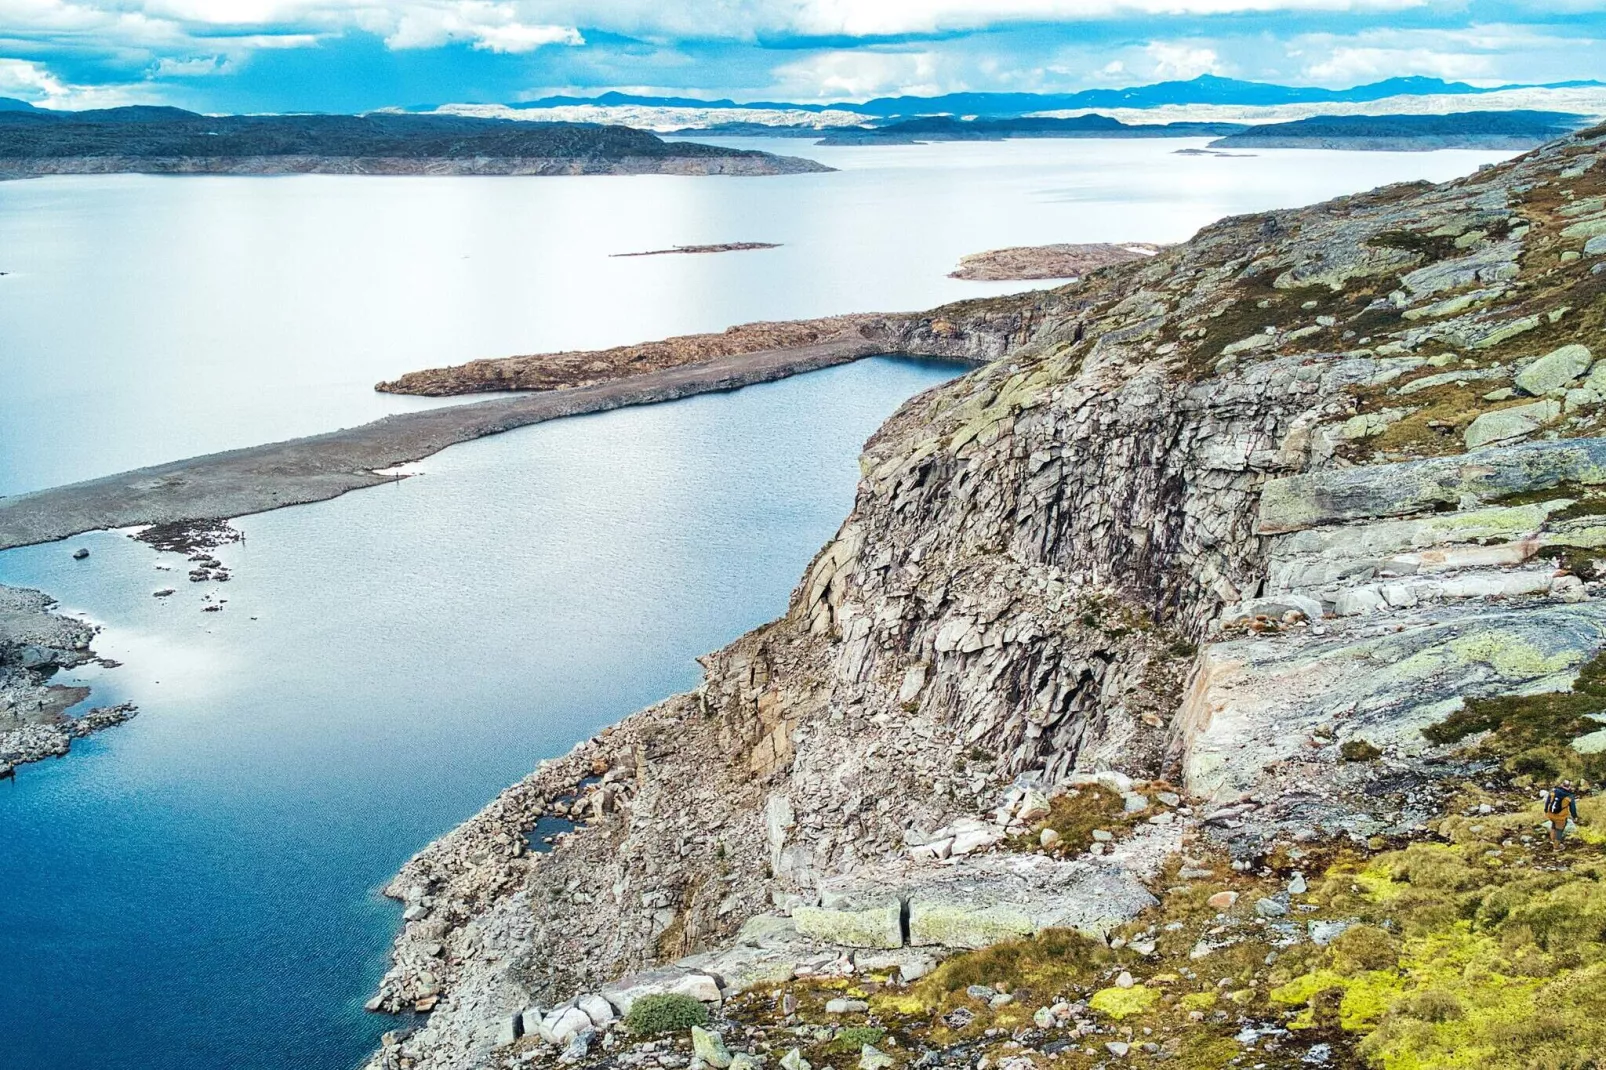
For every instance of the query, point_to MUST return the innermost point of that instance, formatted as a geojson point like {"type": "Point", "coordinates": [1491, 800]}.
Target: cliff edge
{"type": "Point", "coordinates": [1178, 688]}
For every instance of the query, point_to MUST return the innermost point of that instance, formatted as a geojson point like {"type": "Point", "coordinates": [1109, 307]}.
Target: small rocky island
{"type": "Point", "coordinates": [1024, 262]}
{"type": "Point", "coordinates": [722, 247]}
{"type": "Point", "coordinates": [157, 140]}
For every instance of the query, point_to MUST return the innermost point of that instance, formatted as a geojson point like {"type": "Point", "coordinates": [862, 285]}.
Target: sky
{"type": "Point", "coordinates": [352, 55]}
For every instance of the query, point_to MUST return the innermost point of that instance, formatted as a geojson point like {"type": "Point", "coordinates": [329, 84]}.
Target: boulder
{"type": "Point", "coordinates": [855, 923]}
{"type": "Point", "coordinates": [599, 1010]}
{"type": "Point", "coordinates": [872, 1058]}
{"type": "Point", "coordinates": [579, 1046]}
{"type": "Point", "coordinates": [624, 992]}
{"type": "Point", "coordinates": [846, 1006]}
{"type": "Point", "coordinates": [1033, 805]}
{"type": "Point", "coordinates": [1502, 425]}
{"type": "Point", "coordinates": [562, 1025]}
{"type": "Point", "coordinates": [793, 1060]}
{"type": "Point", "coordinates": [940, 920]}
{"type": "Point", "coordinates": [709, 1047]}
{"type": "Point", "coordinates": [1551, 373]}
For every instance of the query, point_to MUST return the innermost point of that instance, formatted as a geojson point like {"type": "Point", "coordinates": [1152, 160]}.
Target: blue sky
{"type": "Point", "coordinates": [347, 55]}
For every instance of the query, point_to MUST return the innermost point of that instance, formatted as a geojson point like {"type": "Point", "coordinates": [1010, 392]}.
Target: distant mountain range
{"type": "Point", "coordinates": [1205, 89]}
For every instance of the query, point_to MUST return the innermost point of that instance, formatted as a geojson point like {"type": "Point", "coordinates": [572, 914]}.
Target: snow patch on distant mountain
{"type": "Point", "coordinates": [658, 119]}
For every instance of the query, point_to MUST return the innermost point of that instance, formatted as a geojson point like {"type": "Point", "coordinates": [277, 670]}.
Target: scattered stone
{"type": "Point", "coordinates": [1222, 901]}
{"type": "Point", "coordinates": [872, 1058]}
{"type": "Point", "coordinates": [709, 1046]}
{"type": "Point", "coordinates": [841, 1005]}
{"type": "Point", "coordinates": [1270, 908]}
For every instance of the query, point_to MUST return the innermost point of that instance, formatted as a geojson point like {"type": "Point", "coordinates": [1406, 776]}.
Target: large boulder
{"type": "Point", "coordinates": [1551, 373]}
{"type": "Point", "coordinates": [945, 920]}
{"type": "Point", "coordinates": [876, 923]}
{"type": "Point", "coordinates": [1515, 422]}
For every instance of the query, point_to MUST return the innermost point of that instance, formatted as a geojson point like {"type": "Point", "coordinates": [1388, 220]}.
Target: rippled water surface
{"type": "Point", "coordinates": [197, 889]}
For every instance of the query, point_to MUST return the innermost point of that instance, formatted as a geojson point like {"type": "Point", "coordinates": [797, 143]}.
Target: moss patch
{"type": "Point", "coordinates": [1533, 733]}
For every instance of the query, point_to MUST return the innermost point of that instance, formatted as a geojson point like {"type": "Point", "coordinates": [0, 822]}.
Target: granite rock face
{"type": "Point", "coordinates": [1127, 547]}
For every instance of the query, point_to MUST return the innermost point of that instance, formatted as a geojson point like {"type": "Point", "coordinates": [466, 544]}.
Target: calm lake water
{"type": "Point", "coordinates": [197, 889]}
{"type": "Point", "coordinates": [147, 319]}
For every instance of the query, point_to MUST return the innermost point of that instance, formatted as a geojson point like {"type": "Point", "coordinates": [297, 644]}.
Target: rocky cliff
{"type": "Point", "coordinates": [1157, 629]}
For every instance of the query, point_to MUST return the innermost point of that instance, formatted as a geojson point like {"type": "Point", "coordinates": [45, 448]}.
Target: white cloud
{"type": "Point", "coordinates": [858, 75]}
{"type": "Point", "coordinates": [495, 27]}
{"type": "Point", "coordinates": [1472, 53]}
{"type": "Point", "coordinates": [1173, 60]}
{"type": "Point", "coordinates": [35, 83]}
{"type": "Point", "coordinates": [1349, 65]}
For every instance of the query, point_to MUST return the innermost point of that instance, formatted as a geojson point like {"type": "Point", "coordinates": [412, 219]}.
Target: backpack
{"type": "Point", "coordinates": [1557, 800]}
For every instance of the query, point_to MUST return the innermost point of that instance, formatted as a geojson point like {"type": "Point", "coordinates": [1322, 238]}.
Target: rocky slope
{"type": "Point", "coordinates": [1229, 553]}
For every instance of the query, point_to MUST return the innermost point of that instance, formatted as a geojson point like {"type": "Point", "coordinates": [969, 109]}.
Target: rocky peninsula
{"type": "Point", "coordinates": [1177, 692]}
{"type": "Point", "coordinates": [1024, 262]}
{"type": "Point", "coordinates": [722, 247]}
{"type": "Point", "coordinates": [153, 140]}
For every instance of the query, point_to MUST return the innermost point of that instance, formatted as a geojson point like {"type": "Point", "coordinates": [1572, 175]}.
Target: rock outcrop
{"type": "Point", "coordinates": [1209, 517]}
{"type": "Point", "coordinates": [1048, 261]}
{"type": "Point", "coordinates": [35, 644]}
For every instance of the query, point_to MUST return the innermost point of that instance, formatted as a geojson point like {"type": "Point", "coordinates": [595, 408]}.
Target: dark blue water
{"type": "Point", "coordinates": [197, 889]}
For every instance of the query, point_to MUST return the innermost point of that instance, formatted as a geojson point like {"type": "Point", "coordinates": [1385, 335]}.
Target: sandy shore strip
{"type": "Point", "coordinates": [320, 467]}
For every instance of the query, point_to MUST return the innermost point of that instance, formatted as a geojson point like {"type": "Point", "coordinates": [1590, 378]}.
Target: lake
{"type": "Point", "coordinates": [147, 318]}
{"type": "Point", "coordinates": [197, 889]}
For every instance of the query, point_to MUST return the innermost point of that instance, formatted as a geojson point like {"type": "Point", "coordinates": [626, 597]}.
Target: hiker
{"type": "Point", "coordinates": [1561, 805]}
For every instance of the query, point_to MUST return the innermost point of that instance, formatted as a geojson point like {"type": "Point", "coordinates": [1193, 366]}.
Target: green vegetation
{"type": "Point", "coordinates": [1359, 750]}
{"type": "Point", "coordinates": [1075, 815]}
{"type": "Point", "coordinates": [854, 1037]}
{"type": "Point", "coordinates": [1430, 246]}
{"type": "Point", "coordinates": [1533, 733]}
{"type": "Point", "coordinates": [665, 1013]}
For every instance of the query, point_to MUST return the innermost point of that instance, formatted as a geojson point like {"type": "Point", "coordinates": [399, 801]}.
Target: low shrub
{"type": "Point", "coordinates": [665, 1013]}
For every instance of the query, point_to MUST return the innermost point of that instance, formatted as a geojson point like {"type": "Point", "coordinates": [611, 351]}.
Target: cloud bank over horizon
{"type": "Point", "coordinates": [348, 55]}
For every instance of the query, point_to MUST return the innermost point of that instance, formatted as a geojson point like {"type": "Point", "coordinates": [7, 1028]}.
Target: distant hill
{"type": "Point", "coordinates": [13, 104]}
{"type": "Point", "coordinates": [170, 140]}
{"type": "Point", "coordinates": [1205, 89]}
{"type": "Point", "coordinates": [945, 128]}
{"type": "Point", "coordinates": [1475, 129]}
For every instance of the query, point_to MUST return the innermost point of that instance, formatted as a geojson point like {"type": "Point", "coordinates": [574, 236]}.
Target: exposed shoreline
{"type": "Point", "coordinates": [319, 467]}
{"type": "Point", "coordinates": [38, 167]}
